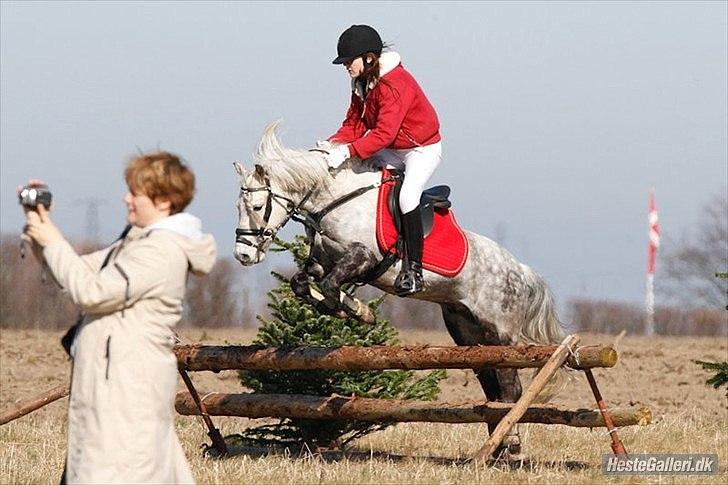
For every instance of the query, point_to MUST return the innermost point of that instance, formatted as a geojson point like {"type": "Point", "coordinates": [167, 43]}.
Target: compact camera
{"type": "Point", "coordinates": [35, 196]}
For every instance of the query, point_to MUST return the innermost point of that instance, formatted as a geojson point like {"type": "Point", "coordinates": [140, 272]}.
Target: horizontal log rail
{"type": "Point", "coordinates": [393, 410]}
{"type": "Point", "coordinates": [216, 358]}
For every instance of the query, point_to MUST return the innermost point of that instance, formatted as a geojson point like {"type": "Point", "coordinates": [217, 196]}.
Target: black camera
{"type": "Point", "coordinates": [35, 196]}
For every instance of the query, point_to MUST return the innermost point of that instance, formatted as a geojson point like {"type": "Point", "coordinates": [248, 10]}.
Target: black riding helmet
{"type": "Point", "coordinates": [355, 41]}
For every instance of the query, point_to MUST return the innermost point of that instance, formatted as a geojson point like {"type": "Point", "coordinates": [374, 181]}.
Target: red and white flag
{"type": "Point", "coordinates": [653, 245]}
{"type": "Point", "coordinates": [654, 234]}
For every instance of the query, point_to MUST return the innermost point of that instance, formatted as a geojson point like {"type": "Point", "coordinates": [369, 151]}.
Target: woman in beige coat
{"type": "Point", "coordinates": [121, 410]}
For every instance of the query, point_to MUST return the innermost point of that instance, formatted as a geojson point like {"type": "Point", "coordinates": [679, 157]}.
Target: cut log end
{"type": "Point", "coordinates": [593, 356]}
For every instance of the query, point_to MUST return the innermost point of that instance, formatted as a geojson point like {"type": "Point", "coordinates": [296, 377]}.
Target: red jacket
{"type": "Point", "coordinates": [395, 114]}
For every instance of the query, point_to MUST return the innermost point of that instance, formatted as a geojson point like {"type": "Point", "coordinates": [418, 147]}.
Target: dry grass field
{"type": "Point", "coordinates": [688, 416]}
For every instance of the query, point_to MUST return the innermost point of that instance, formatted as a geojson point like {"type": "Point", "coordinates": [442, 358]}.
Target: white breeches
{"type": "Point", "coordinates": [418, 163]}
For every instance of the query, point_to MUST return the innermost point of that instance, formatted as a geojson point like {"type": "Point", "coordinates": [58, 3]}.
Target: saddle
{"type": "Point", "coordinates": [433, 198]}
{"type": "Point", "coordinates": [445, 247]}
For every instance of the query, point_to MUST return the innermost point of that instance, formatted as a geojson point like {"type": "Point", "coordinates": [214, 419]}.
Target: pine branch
{"type": "Point", "coordinates": [721, 373]}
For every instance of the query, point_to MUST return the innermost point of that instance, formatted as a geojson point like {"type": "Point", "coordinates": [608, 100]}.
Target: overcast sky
{"type": "Point", "coordinates": [556, 117]}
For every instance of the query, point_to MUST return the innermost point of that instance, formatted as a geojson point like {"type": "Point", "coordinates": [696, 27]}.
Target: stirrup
{"type": "Point", "coordinates": [409, 281]}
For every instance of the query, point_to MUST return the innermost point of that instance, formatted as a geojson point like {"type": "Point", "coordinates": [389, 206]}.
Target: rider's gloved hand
{"type": "Point", "coordinates": [324, 145]}
{"type": "Point", "coordinates": [337, 155]}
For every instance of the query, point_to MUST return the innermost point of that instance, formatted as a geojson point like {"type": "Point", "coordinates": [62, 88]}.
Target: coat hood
{"type": "Point", "coordinates": [199, 247]}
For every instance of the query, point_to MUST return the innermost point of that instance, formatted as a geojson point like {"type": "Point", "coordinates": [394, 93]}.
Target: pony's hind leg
{"type": "Point", "coordinates": [502, 385]}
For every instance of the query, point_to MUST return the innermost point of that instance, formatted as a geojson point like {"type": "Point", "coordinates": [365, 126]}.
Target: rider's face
{"type": "Point", "coordinates": [355, 68]}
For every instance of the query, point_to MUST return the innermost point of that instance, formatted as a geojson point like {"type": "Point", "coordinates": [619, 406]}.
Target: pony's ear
{"type": "Point", "coordinates": [239, 168]}
{"type": "Point", "coordinates": [259, 170]}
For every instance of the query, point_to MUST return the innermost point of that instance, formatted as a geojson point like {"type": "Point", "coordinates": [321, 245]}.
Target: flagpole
{"type": "Point", "coordinates": [650, 306]}
{"type": "Point", "coordinates": [653, 245]}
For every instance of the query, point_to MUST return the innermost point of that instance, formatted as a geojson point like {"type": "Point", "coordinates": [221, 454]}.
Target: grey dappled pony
{"type": "Point", "coordinates": [495, 300]}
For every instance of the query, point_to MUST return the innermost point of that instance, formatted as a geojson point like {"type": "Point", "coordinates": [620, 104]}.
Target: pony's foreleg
{"type": "Point", "coordinates": [299, 284]}
{"type": "Point", "coordinates": [357, 259]}
{"type": "Point", "coordinates": [300, 281]}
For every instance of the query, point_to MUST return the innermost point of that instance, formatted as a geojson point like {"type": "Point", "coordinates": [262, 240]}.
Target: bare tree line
{"type": "Point", "coordinates": [697, 298]}
{"type": "Point", "coordinates": [31, 299]}
{"type": "Point", "coordinates": [693, 262]}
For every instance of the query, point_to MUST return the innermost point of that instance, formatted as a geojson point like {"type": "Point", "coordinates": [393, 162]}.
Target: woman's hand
{"type": "Point", "coordinates": [40, 227]}
{"type": "Point", "coordinates": [337, 155]}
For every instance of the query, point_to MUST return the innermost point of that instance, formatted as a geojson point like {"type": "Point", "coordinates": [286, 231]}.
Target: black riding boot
{"type": "Point", "coordinates": [410, 278]}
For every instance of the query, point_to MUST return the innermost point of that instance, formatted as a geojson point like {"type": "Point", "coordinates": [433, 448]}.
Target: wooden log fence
{"type": "Point", "coordinates": [549, 358]}
{"type": "Point", "coordinates": [505, 415]}
{"type": "Point", "coordinates": [216, 358]}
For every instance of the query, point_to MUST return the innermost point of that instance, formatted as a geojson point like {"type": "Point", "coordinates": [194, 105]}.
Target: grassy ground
{"type": "Point", "coordinates": [689, 418]}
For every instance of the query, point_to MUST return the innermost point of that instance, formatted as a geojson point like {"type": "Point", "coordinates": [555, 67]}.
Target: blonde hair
{"type": "Point", "coordinates": [161, 175]}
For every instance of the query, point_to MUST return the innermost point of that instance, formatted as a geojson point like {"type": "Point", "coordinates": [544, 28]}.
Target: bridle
{"type": "Point", "coordinates": [264, 235]}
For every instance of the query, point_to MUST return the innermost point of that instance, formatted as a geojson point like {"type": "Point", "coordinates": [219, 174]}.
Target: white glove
{"type": "Point", "coordinates": [337, 155]}
{"type": "Point", "coordinates": [324, 145]}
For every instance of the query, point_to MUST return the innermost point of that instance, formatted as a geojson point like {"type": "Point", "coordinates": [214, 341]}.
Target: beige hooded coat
{"type": "Point", "coordinates": [121, 409]}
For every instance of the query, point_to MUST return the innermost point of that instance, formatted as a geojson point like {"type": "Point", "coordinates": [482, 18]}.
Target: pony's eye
{"type": "Point", "coordinates": [257, 207]}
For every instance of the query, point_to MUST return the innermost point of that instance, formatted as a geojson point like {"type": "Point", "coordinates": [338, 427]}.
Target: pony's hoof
{"type": "Point", "coordinates": [300, 284]}
{"type": "Point", "coordinates": [510, 455]}
{"type": "Point", "coordinates": [510, 451]}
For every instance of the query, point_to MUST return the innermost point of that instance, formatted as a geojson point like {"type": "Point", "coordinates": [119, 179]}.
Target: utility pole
{"type": "Point", "coordinates": [92, 233]}
{"type": "Point", "coordinates": [501, 228]}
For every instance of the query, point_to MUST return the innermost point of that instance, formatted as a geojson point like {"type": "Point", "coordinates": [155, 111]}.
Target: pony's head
{"type": "Point", "coordinates": [258, 215]}
{"type": "Point", "coordinates": [272, 191]}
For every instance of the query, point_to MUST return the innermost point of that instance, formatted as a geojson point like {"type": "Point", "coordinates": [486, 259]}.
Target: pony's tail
{"type": "Point", "coordinates": [541, 326]}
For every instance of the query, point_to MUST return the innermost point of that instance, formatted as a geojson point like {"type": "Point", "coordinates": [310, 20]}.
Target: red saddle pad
{"type": "Point", "coordinates": [445, 248]}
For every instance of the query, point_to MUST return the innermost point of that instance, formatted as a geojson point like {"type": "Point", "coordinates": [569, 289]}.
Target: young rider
{"type": "Point", "coordinates": [390, 118]}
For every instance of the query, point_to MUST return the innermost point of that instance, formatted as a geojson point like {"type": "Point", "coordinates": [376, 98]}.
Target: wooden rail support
{"type": "Point", "coordinates": [218, 443]}
{"type": "Point", "coordinates": [617, 445]}
{"type": "Point", "coordinates": [35, 403]}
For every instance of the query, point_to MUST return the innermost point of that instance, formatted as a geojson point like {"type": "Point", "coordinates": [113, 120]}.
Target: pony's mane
{"type": "Point", "coordinates": [294, 170]}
